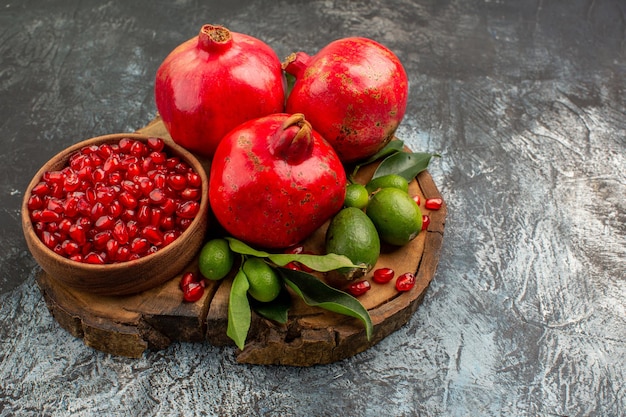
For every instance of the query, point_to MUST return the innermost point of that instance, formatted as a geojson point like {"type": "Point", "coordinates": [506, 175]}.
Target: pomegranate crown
{"type": "Point", "coordinates": [293, 140]}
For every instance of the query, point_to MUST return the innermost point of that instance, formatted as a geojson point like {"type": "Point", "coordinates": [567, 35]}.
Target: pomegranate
{"type": "Point", "coordinates": [212, 83]}
{"type": "Point", "coordinates": [274, 180]}
{"type": "Point", "coordinates": [353, 91]}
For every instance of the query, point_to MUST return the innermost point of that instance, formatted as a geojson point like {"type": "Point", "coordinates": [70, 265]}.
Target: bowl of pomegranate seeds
{"type": "Point", "coordinates": [116, 214]}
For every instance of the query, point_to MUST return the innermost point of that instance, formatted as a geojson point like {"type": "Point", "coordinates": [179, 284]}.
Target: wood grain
{"type": "Point", "coordinates": [129, 325]}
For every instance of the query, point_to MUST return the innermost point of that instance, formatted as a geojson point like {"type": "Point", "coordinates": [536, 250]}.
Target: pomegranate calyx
{"type": "Point", "coordinates": [296, 63]}
{"type": "Point", "coordinates": [213, 38]}
{"type": "Point", "coordinates": [292, 141]}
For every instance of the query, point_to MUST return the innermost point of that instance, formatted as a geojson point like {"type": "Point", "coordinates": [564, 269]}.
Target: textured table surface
{"type": "Point", "coordinates": [525, 101]}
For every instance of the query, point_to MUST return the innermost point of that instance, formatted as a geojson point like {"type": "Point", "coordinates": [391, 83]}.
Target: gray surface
{"type": "Point", "coordinates": [524, 100]}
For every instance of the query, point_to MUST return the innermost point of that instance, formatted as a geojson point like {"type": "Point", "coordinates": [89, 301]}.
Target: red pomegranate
{"type": "Point", "coordinates": [274, 181]}
{"type": "Point", "coordinates": [212, 83]}
{"type": "Point", "coordinates": [353, 91]}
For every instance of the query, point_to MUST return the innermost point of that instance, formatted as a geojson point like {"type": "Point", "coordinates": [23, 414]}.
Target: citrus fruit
{"type": "Point", "coordinates": [264, 283]}
{"type": "Point", "coordinates": [356, 196]}
{"type": "Point", "coordinates": [352, 234]}
{"type": "Point", "coordinates": [216, 259]}
{"type": "Point", "coordinates": [396, 216]}
{"type": "Point", "coordinates": [388, 181]}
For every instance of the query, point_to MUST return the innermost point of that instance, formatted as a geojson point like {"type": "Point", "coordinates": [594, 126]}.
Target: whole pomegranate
{"type": "Point", "coordinates": [353, 91]}
{"type": "Point", "coordinates": [274, 181]}
{"type": "Point", "coordinates": [212, 83]}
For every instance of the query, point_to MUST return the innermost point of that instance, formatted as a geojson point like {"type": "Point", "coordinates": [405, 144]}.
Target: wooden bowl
{"type": "Point", "coordinates": [125, 277]}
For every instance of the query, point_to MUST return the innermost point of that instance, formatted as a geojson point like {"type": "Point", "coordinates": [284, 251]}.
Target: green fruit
{"type": "Point", "coordinates": [356, 196]}
{"type": "Point", "coordinates": [396, 216]}
{"type": "Point", "coordinates": [264, 282]}
{"type": "Point", "coordinates": [388, 181]}
{"type": "Point", "coordinates": [216, 259]}
{"type": "Point", "coordinates": [352, 234]}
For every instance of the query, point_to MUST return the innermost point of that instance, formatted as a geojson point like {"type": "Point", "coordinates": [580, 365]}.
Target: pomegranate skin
{"type": "Point", "coordinates": [353, 91]}
{"type": "Point", "coordinates": [273, 182]}
{"type": "Point", "coordinates": [212, 83]}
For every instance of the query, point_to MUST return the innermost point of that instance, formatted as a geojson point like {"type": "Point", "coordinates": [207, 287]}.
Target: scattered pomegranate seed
{"type": "Point", "coordinates": [115, 202]}
{"type": "Point", "coordinates": [425, 221]}
{"type": "Point", "coordinates": [405, 282]}
{"type": "Point", "coordinates": [417, 200]}
{"type": "Point", "coordinates": [433, 203]}
{"type": "Point", "coordinates": [383, 275]}
{"type": "Point", "coordinates": [359, 288]}
{"type": "Point", "coordinates": [186, 279]}
{"type": "Point", "coordinates": [193, 292]}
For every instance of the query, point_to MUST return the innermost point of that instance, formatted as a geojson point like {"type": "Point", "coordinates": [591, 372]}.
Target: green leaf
{"type": "Point", "coordinates": [316, 293]}
{"type": "Point", "coordinates": [238, 246]}
{"type": "Point", "coordinates": [405, 164]}
{"type": "Point", "coordinates": [239, 315]}
{"type": "Point", "coordinates": [321, 263]}
{"type": "Point", "coordinates": [276, 310]}
{"type": "Point", "coordinates": [389, 149]}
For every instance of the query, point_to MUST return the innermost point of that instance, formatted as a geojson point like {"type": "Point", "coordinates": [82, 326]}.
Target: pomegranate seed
{"type": "Point", "coordinates": [359, 288]}
{"type": "Point", "coordinates": [133, 170]}
{"type": "Point", "coordinates": [168, 207]}
{"type": "Point", "coordinates": [125, 144]}
{"type": "Point", "coordinates": [177, 181]}
{"type": "Point", "coordinates": [100, 240]}
{"type": "Point", "coordinates": [98, 175]}
{"type": "Point", "coordinates": [35, 202]}
{"type": "Point", "coordinates": [70, 207]}
{"type": "Point", "coordinates": [153, 235]}
{"type": "Point", "coordinates": [72, 182]}
{"type": "Point", "coordinates": [115, 209]}
{"type": "Point", "coordinates": [139, 245]}
{"type": "Point", "coordinates": [193, 292]}
{"type": "Point", "coordinates": [120, 232]}
{"type": "Point", "coordinates": [94, 258]}
{"type": "Point", "coordinates": [97, 211]}
{"type": "Point", "coordinates": [104, 223]}
{"type": "Point", "coordinates": [425, 221]}
{"type": "Point", "coordinates": [41, 189]}
{"type": "Point", "coordinates": [191, 194]}
{"type": "Point", "coordinates": [167, 223]}
{"type": "Point", "coordinates": [186, 279]}
{"type": "Point", "coordinates": [158, 157]}
{"type": "Point", "coordinates": [417, 200]}
{"type": "Point", "coordinates": [53, 176]}
{"type": "Point", "coordinates": [183, 223]}
{"type": "Point", "coordinates": [159, 180]}
{"type": "Point", "coordinates": [157, 196]}
{"type": "Point", "coordinates": [104, 150]}
{"type": "Point", "coordinates": [194, 180]}
{"type": "Point", "coordinates": [49, 239]}
{"type": "Point", "coordinates": [70, 247]}
{"type": "Point", "coordinates": [433, 203]}
{"type": "Point", "coordinates": [133, 229]}
{"type": "Point", "coordinates": [138, 149]}
{"type": "Point", "coordinates": [112, 246]}
{"type": "Point", "coordinates": [155, 216]}
{"type": "Point", "coordinates": [123, 254]}
{"type": "Point", "coordinates": [78, 234]}
{"type": "Point", "coordinates": [405, 282]}
{"type": "Point", "coordinates": [383, 275]}
{"type": "Point", "coordinates": [156, 144]}
{"type": "Point", "coordinates": [48, 216]}
{"type": "Point", "coordinates": [188, 209]}
{"type": "Point", "coordinates": [170, 236]}
{"type": "Point", "coordinates": [128, 200]}
{"type": "Point", "coordinates": [171, 162]}
{"type": "Point", "coordinates": [65, 225]}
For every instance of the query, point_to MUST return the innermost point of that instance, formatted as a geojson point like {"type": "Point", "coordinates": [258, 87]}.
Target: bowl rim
{"type": "Point", "coordinates": [28, 227]}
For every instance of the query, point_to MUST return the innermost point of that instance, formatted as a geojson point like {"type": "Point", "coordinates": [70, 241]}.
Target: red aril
{"type": "Point", "coordinates": [353, 91]}
{"type": "Point", "coordinates": [383, 275]}
{"type": "Point", "coordinates": [433, 203]}
{"type": "Point", "coordinates": [425, 221]}
{"type": "Point", "coordinates": [274, 181]}
{"type": "Point", "coordinates": [405, 282]}
{"type": "Point", "coordinates": [211, 83]}
{"type": "Point", "coordinates": [359, 288]}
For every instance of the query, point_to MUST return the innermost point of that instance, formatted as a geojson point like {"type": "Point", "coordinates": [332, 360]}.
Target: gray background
{"type": "Point", "coordinates": [525, 102]}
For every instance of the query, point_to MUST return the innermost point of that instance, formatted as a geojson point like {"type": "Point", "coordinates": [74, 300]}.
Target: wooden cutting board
{"type": "Point", "coordinates": [130, 325]}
